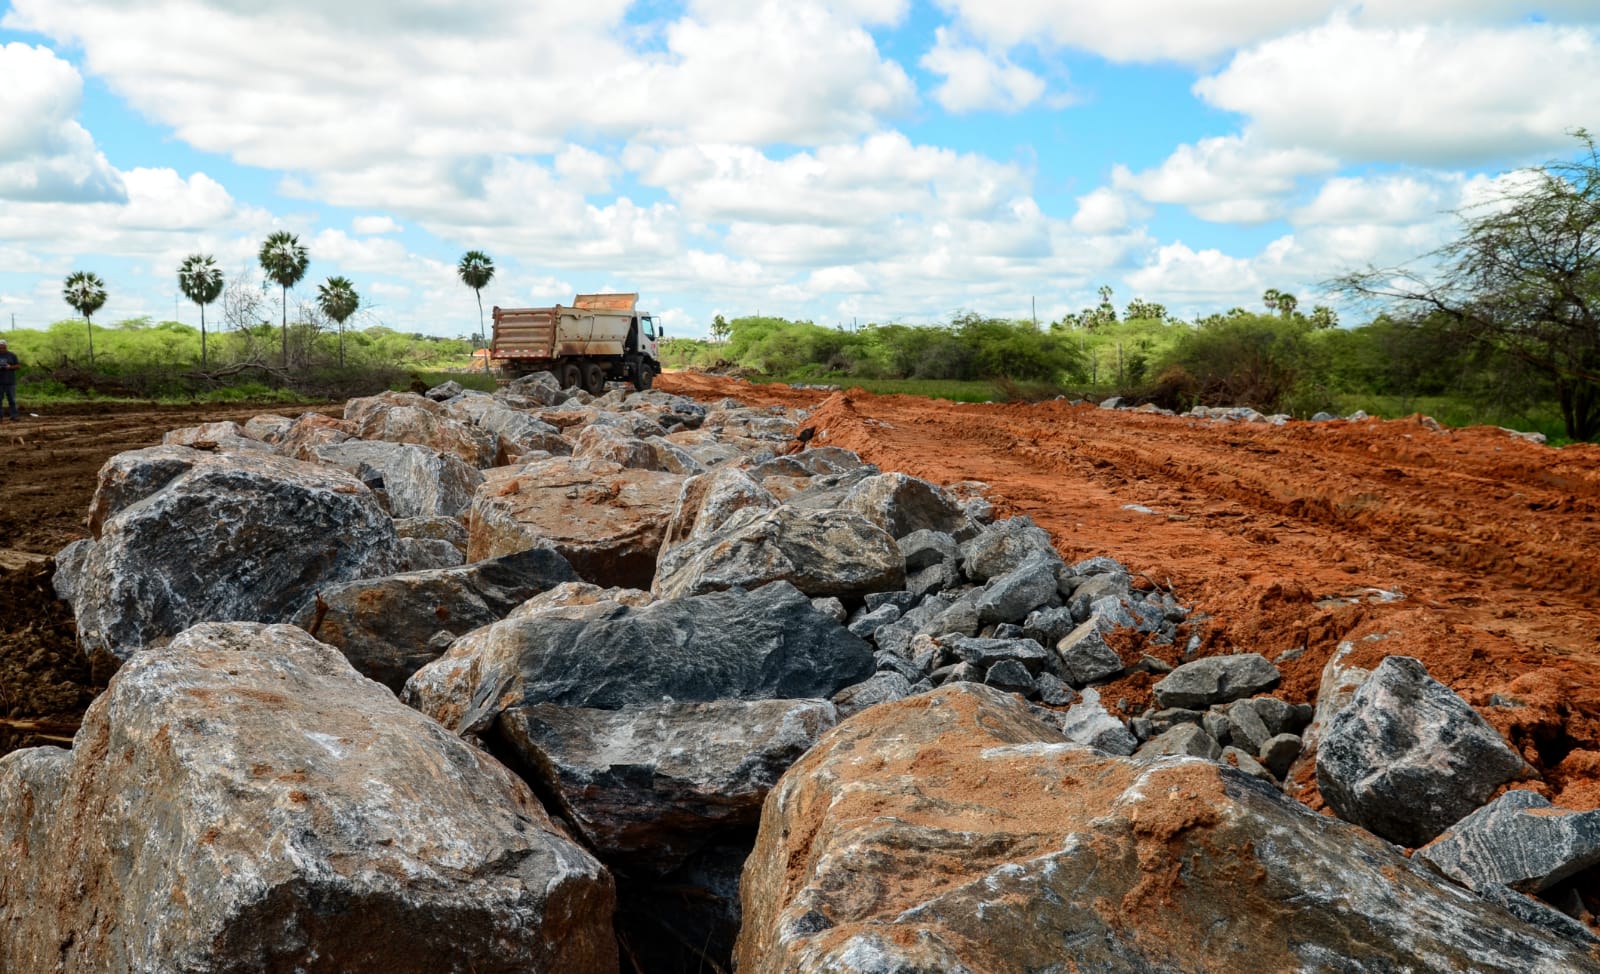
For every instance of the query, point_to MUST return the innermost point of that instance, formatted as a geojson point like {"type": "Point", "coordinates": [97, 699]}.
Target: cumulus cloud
{"type": "Point", "coordinates": [45, 155]}
{"type": "Point", "coordinates": [1106, 210]}
{"type": "Point", "coordinates": [1227, 179]}
{"type": "Point", "coordinates": [373, 225]}
{"type": "Point", "coordinates": [1189, 31]}
{"type": "Point", "coordinates": [1180, 273]}
{"type": "Point", "coordinates": [307, 86]}
{"type": "Point", "coordinates": [857, 183]}
{"type": "Point", "coordinates": [1430, 94]}
{"type": "Point", "coordinates": [976, 80]}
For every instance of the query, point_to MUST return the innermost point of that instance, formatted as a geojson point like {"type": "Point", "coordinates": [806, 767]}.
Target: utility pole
{"type": "Point", "coordinates": [1033, 303]}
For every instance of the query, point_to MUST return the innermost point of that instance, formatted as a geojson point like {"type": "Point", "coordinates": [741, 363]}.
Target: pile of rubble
{"type": "Point", "coordinates": [544, 681]}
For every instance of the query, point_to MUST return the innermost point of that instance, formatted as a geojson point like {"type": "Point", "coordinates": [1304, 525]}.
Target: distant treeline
{"type": "Point", "coordinates": [1282, 361]}
{"type": "Point", "coordinates": [147, 359]}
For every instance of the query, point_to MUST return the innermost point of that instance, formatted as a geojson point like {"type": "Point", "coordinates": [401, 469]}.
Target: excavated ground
{"type": "Point", "coordinates": [1470, 549]}
{"type": "Point", "coordinates": [48, 464]}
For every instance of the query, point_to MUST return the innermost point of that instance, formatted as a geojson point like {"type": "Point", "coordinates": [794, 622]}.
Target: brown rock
{"type": "Point", "coordinates": [952, 831]}
{"type": "Point", "coordinates": [606, 520]}
{"type": "Point", "coordinates": [243, 801]}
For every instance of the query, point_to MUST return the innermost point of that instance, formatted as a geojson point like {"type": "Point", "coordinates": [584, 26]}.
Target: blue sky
{"type": "Point", "coordinates": [836, 160]}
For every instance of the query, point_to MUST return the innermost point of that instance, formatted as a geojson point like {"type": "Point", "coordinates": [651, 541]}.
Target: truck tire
{"type": "Point", "coordinates": [643, 376]}
{"type": "Point", "coordinates": [594, 379]}
{"type": "Point", "coordinates": [570, 375]}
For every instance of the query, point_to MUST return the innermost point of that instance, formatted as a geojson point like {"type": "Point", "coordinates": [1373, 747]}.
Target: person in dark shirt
{"type": "Point", "coordinates": [8, 380]}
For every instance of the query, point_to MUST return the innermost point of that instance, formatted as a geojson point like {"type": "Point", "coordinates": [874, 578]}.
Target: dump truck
{"type": "Point", "coordinates": [599, 338]}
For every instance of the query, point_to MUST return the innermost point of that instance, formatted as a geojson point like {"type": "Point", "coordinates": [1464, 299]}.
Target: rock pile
{"type": "Point", "coordinates": [671, 693]}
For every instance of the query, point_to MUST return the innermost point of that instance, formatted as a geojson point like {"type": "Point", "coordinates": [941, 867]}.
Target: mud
{"type": "Point", "coordinates": [1470, 549]}
{"type": "Point", "coordinates": [49, 464]}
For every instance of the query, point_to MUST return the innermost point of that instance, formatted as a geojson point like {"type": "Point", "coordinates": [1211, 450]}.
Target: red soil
{"type": "Point", "coordinates": [1287, 540]}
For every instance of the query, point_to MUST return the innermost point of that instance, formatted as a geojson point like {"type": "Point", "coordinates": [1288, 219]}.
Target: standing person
{"type": "Point", "coordinates": [8, 380]}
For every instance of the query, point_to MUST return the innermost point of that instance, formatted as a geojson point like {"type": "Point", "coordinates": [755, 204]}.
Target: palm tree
{"type": "Point", "coordinates": [338, 299]}
{"type": "Point", "coordinates": [284, 260]}
{"type": "Point", "coordinates": [86, 293]}
{"type": "Point", "coordinates": [1270, 298]}
{"type": "Point", "coordinates": [476, 270]}
{"type": "Point", "coordinates": [200, 280]}
{"type": "Point", "coordinates": [1287, 303]}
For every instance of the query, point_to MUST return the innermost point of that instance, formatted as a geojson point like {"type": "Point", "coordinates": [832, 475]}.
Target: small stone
{"type": "Point", "coordinates": [1085, 655]}
{"type": "Point", "coordinates": [1184, 739]}
{"type": "Point", "coordinates": [881, 687]}
{"type": "Point", "coordinates": [1278, 753]}
{"type": "Point", "coordinates": [1053, 691]}
{"type": "Point", "coordinates": [1246, 728]}
{"type": "Point", "coordinates": [1235, 758]}
{"type": "Point", "coordinates": [832, 608]}
{"type": "Point", "coordinates": [1216, 680]}
{"type": "Point", "coordinates": [1215, 723]}
{"type": "Point", "coordinates": [1088, 722]}
{"type": "Point", "coordinates": [1010, 676]}
{"type": "Point", "coordinates": [870, 622]}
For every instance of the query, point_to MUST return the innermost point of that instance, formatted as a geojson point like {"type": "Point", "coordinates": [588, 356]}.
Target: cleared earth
{"type": "Point", "coordinates": [1472, 550]}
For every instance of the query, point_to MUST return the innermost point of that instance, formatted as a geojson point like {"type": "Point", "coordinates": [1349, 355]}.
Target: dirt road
{"type": "Point", "coordinates": [1473, 550]}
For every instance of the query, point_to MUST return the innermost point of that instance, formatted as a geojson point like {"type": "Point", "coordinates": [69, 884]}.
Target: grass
{"type": "Point", "coordinates": [955, 390]}
{"type": "Point", "coordinates": [1452, 411]}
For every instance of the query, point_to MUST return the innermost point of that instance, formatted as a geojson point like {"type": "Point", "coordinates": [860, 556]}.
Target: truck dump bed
{"type": "Point", "coordinates": [597, 325]}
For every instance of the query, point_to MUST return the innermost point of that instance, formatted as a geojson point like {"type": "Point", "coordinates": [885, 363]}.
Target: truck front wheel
{"type": "Point", "coordinates": [643, 376]}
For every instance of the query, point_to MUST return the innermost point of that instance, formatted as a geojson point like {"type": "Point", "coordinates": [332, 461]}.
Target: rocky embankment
{"type": "Point", "coordinates": [537, 681]}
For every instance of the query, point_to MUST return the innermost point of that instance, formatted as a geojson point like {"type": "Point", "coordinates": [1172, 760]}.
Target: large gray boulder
{"type": "Point", "coordinates": [649, 786]}
{"type": "Point", "coordinates": [519, 431]}
{"type": "Point", "coordinates": [708, 502]}
{"type": "Point", "coordinates": [1518, 840]}
{"type": "Point", "coordinates": [413, 480]}
{"type": "Point", "coordinates": [225, 436]}
{"type": "Point", "coordinates": [242, 800]}
{"type": "Point", "coordinates": [1216, 680]}
{"type": "Point", "coordinates": [819, 552]}
{"type": "Point", "coordinates": [390, 627]}
{"type": "Point", "coordinates": [188, 537]}
{"type": "Point", "coordinates": [405, 417]}
{"type": "Point", "coordinates": [902, 504]}
{"type": "Point", "coordinates": [761, 645]}
{"type": "Point", "coordinates": [953, 831]}
{"type": "Point", "coordinates": [1408, 758]}
{"type": "Point", "coordinates": [1003, 547]}
{"type": "Point", "coordinates": [606, 520]}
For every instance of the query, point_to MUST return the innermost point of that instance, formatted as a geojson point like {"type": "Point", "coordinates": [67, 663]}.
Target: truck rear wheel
{"type": "Point", "coordinates": [570, 375]}
{"type": "Point", "coordinates": [594, 379]}
{"type": "Point", "coordinates": [643, 376]}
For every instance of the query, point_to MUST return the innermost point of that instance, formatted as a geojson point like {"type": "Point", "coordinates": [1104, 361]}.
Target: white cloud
{"type": "Point", "coordinates": [1179, 273]}
{"type": "Point", "coordinates": [1227, 179]}
{"type": "Point", "coordinates": [305, 86]}
{"type": "Point", "coordinates": [373, 225]}
{"type": "Point", "coordinates": [1133, 30]}
{"type": "Point", "coordinates": [1387, 199]}
{"type": "Point", "coordinates": [976, 80]}
{"type": "Point", "coordinates": [1426, 94]}
{"type": "Point", "coordinates": [45, 155]}
{"type": "Point", "coordinates": [1106, 210]}
{"type": "Point", "coordinates": [1195, 31]}
{"type": "Point", "coordinates": [846, 184]}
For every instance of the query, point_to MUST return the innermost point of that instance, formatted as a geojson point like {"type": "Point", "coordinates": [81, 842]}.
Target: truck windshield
{"type": "Point", "coordinates": [649, 327]}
